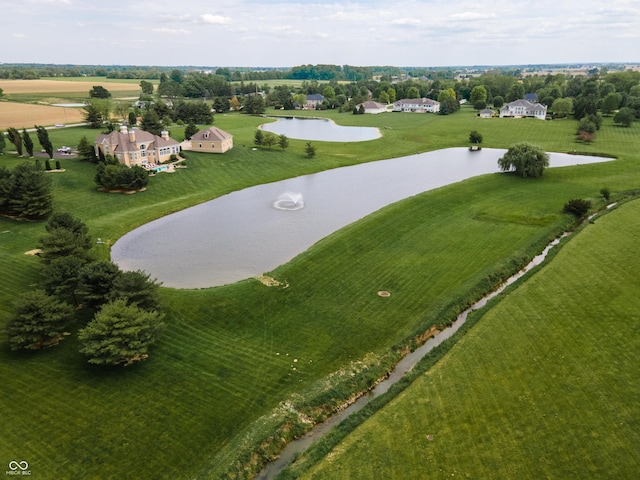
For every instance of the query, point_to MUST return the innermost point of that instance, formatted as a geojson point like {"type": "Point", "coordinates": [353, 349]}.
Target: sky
{"type": "Point", "coordinates": [286, 33]}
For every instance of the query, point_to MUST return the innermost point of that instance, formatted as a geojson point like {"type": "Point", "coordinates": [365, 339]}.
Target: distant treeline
{"type": "Point", "coordinates": [232, 74]}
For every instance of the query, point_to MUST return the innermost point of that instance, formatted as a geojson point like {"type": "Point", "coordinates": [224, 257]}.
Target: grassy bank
{"type": "Point", "coordinates": [226, 360]}
{"type": "Point", "coordinates": [543, 387]}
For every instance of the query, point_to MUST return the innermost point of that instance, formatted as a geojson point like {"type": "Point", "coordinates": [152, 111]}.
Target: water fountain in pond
{"type": "Point", "coordinates": [289, 201]}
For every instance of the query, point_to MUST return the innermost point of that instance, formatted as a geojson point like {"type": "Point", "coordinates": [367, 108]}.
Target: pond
{"type": "Point", "coordinates": [252, 231]}
{"type": "Point", "coordinates": [320, 129]}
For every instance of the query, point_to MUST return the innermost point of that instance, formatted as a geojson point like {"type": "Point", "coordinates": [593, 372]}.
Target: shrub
{"type": "Point", "coordinates": [606, 193]}
{"type": "Point", "coordinates": [525, 160]}
{"type": "Point", "coordinates": [577, 207]}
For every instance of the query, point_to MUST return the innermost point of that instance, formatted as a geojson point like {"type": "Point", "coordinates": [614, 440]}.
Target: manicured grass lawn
{"type": "Point", "coordinates": [216, 372]}
{"type": "Point", "coordinates": [544, 386]}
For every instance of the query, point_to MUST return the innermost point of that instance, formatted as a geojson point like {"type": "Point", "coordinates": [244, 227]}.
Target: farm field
{"type": "Point", "coordinates": [545, 385]}
{"type": "Point", "coordinates": [11, 87]}
{"type": "Point", "coordinates": [215, 385]}
{"type": "Point", "coordinates": [26, 115]}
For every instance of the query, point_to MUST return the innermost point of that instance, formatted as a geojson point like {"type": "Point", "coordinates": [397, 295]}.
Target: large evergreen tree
{"type": "Point", "coordinates": [43, 138]}
{"type": "Point", "coordinates": [137, 289]}
{"type": "Point", "coordinates": [119, 334]}
{"type": "Point", "coordinates": [15, 138]}
{"type": "Point", "coordinates": [28, 143]}
{"type": "Point", "coordinates": [96, 282]}
{"type": "Point", "coordinates": [151, 122]}
{"type": "Point", "coordinates": [30, 192]}
{"type": "Point", "coordinates": [39, 321]}
{"type": "Point", "coordinates": [66, 236]}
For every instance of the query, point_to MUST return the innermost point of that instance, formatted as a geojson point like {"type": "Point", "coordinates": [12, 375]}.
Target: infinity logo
{"type": "Point", "coordinates": [13, 465]}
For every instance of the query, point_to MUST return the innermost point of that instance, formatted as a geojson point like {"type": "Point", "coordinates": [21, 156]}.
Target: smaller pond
{"type": "Point", "coordinates": [68, 104]}
{"type": "Point", "coordinates": [320, 129]}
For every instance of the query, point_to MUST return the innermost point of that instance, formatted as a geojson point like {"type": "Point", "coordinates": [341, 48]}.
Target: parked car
{"type": "Point", "coordinates": [64, 150]}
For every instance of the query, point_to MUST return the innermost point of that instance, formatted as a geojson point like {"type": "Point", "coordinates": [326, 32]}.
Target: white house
{"type": "Point", "coordinates": [524, 108]}
{"type": "Point", "coordinates": [313, 100]}
{"type": "Point", "coordinates": [372, 107]}
{"type": "Point", "coordinates": [417, 105]}
{"type": "Point", "coordinates": [486, 113]}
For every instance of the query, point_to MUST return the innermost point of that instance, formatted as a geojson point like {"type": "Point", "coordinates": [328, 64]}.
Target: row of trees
{"type": "Point", "coordinates": [24, 140]}
{"type": "Point", "coordinates": [125, 305]}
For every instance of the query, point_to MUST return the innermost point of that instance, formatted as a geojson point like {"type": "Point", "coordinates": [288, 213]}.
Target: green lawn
{"type": "Point", "coordinates": [544, 386]}
{"type": "Point", "coordinates": [224, 364]}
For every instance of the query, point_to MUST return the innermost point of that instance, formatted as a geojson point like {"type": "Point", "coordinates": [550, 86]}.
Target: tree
{"type": "Point", "coordinates": [606, 193]}
{"type": "Point", "coordinates": [147, 87]}
{"type": "Point", "coordinates": [283, 142]}
{"type": "Point", "coordinates": [2, 143]}
{"type": "Point", "coordinates": [516, 92]}
{"type": "Point", "coordinates": [98, 91]}
{"type": "Point", "coordinates": [478, 95]}
{"type": "Point", "coordinates": [96, 282]}
{"type": "Point", "coordinates": [498, 101]}
{"type": "Point", "coordinates": [310, 150]}
{"type": "Point", "coordinates": [86, 150]}
{"type": "Point", "coordinates": [625, 116]}
{"type": "Point", "coordinates": [258, 138]}
{"type": "Point", "coordinates": [66, 236]}
{"type": "Point", "coordinates": [39, 321]}
{"type": "Point", "coordinates": [61, 276]}
{"type": "Point", "coordinates": [611, 103]}
{"type": "Point", "coordinates": [15, 138]}
{"type": "Point", "coordinates": [132, 120]}
{"type": "Point", "coordinates": [151, 123]}
{"type": "Point", "coordinates": [43, 138]}
{"type": "Point", "coordinates": [525, 160]}
{"type": "Point", "coordinates": [137, 289]}
{"type": "Point", "coordinates": [475, 137]}
{"type": "Point", "coordinates": [587, 126]}
{"type": "Point", "coordinates": [562, 106]}
{"type": "Point", "coordinates": [235, 104]}
{"type": "Point", "coordinates": [28, 143]}
{"type": "Point", "coordinates": [269, 140]}
{"type": "Point", "coordinates": [413, 92]}
{"type": "Point", "coordinates": [31, 192]}
{"type": "Point", "coordinates": [577, 207]}
{"type": "Point", "coordinates": [190, 130]}
{"type": "Point", "coordinates": [254, 104]}
{"type": "Point", "coordinates": [93, 114]}
{"type": "Point", "coordinates": [119, 334]}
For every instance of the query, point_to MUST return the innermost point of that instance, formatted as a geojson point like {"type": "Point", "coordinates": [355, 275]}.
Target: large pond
{"type": "Point", "coordinates": [252, 231]}
{"type": "Point", "coordinates": [320, 129]}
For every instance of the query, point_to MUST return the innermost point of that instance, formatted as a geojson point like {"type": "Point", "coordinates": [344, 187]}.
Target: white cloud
{"type": "Point", "coordinates": [171, 31]}
{"type": "Point", "coordinates": [215, 19]}
{"type": "Point", "coordinates": [19, 35]}
{"type": "Point", "coordinates": [409, 21]}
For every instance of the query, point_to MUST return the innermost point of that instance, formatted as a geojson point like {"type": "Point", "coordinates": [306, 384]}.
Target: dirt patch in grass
{"type": "Point", "coordinates": [271, 282]}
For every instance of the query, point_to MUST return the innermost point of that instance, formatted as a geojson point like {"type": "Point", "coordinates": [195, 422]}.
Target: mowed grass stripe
{"type": "Point", "coordinates": [544, 386]}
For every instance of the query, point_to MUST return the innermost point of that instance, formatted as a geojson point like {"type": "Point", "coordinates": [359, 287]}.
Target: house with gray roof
{"type": "Point", "coordinates": [524, 108]}
{"type": "Point", "coordinates": [313, 101]}
{"type": "Point", "coordinates": [416, 105]}
{"type": "Point", "coordinates": [137, 147]}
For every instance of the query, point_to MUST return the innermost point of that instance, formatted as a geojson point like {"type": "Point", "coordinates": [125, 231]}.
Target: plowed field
{"type": "Point", "coordinates": [60, 86]}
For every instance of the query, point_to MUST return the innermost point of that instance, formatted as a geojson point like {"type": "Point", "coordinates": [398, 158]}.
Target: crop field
{"type": "Point", "coordinates": [26, 115]}
{"type": "Point", "coordinates": [217, 382]}
{"type": "Point", "coordinates": [545, 385]}
{"type": "Point", "coordinates": [11, 87]}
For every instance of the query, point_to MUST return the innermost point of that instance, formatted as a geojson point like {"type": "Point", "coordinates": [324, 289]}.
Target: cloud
{"type": "Point", "coordinates": [214, 19]}
{"type": "Point", "coordinates": [171, 31]}
{"type": "Point", "coordinates": [472, 16]}
{"type": "Point", "coordinates": [19, 35]}
{"type": "Point", "coordinates": [411, 22]}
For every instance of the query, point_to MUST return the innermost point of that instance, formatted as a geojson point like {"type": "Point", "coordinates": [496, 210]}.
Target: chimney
{"type": "Point", "coordinates": [123, 129]}
{"type": "Point", "coordinates": [164, 134]}
{"type": "Point", "coordinates": [132, 135]}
